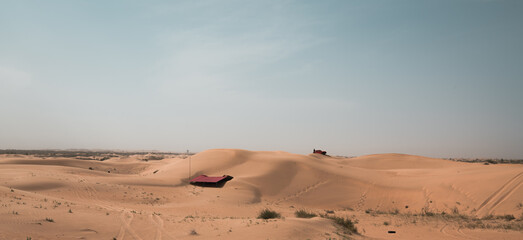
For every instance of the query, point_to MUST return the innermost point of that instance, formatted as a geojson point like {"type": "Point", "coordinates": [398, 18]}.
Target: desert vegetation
{"type": "Point", "coordinates": [345, 223]}
{"type": "Point", "coordinates": [488, 161]}
{"type": "Point", "coordinates": [507, 221]}
{"type": "Point", "coordinates": [153, 195]}
{"type": "Point", "coordinates": [268, 214]}
{"type": "Point", "coordinates": [304, 214]}
{"type": "Point", "coordinates": [99, 155]}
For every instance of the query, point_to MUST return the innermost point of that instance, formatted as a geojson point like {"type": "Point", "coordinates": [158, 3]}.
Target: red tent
{"type": "Point", "coordinates": [318, 151]}
{"type": "Point", "coordinates": [204, 180]}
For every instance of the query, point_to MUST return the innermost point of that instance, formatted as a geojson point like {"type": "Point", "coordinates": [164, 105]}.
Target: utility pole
{"type": "Point", "coordinates": [189, 165]}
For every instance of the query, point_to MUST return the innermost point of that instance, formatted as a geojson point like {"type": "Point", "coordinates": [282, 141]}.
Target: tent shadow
{"type": "Point", "coordinates": [219, 184]}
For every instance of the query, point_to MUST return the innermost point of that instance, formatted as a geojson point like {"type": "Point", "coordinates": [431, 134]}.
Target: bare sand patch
{"type": "Point", "coordinates": [132, 197]}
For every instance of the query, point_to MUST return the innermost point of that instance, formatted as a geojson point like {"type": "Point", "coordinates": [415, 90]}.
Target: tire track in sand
{"type": "Point", "coordinates": [89, 194]}
{"type": "Point", "coordinates": [466, 235]}
{"type": "Point", "coordinates": [303, 191]}
{"type": "Point", "coordinates": [160, 230]}
{"type": "Point", "coordinates": [499, 196]}
{"type": "Point", "coordinates": [126, 218]}
{"type": "Point", "coordinates": [454, 233]}
{"type": "Point", "coordinates": [444, 232]}
{"type": "Point", "coordinates": [159, 226]}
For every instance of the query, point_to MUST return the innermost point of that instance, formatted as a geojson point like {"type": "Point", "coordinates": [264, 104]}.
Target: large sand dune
{"type": "Point", "coordinates": [127, 198]}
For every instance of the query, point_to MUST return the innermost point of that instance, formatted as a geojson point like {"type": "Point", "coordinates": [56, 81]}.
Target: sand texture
{"type": "Point", "coordinates": [127, 198]}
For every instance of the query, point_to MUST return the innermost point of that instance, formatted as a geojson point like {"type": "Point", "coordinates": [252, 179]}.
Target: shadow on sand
{"type": "Point", "coordinates": [219, 184]}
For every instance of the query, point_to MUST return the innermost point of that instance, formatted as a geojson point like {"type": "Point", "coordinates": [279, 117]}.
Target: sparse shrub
{"type": "Point", "coordinates": [304, 214]}
{"type": "Point", "coordinates": [455, 210]}
{"type": "Point", "coordinates": [153, 157]}
{"type": "Point", "coordinates": [426, 212]}
{"type": "Point", "coordinates": [508, 217]}
{"type": "Point", "coordinates": [430, 214]}
{"type": "Point", "coordinates": [193, 232]}
{"type": "Point", "coordinates": [386, 223]}
{"type": "Point", "coordinates": [345, 223]}
{"type": "Point", "coordinates": [268, 214]}
{"type": "Point", "coordinates": [70, 211]}
{"type": "Point", "coordinates": [90, 168]}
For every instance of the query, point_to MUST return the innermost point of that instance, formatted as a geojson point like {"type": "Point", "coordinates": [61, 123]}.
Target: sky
{"type": "Point", "coordinates": [432, 78]}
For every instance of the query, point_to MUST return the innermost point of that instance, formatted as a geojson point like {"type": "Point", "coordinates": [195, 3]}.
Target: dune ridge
{"type": "Point", "coordinates": [126, 192]}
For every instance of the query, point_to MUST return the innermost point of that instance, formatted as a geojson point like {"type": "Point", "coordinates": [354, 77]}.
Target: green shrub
{"type": "Point", "coordinates": [507, 217]}
{"type": "Point", "coordinates": [345, 223]}
{"type": "Point", "coordinates": [268, 214]}
{"type": "Point", "coordinates": [304, 214]}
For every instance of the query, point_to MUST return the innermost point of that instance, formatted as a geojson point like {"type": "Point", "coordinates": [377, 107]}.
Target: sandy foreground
{"type": "Point", "coordinates": [127, 198]}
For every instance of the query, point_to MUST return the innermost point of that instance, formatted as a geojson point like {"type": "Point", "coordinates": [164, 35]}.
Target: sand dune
{"type": "Point", "coordinates": [127, 198]}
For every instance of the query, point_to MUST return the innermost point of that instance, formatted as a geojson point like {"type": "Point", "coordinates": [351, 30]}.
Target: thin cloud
{"type": "Point", "coordinates": [202, 58]}
{"type": "Point", "coordinates": [13, 79]}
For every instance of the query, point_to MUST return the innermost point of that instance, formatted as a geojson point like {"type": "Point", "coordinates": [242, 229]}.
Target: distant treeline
{"type": "Point", "coordinates": [487, 161]}
{"type": "Point", "coordinates": [86, 153]}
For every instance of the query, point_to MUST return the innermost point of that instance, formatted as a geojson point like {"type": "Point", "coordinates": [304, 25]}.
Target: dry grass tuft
{"type": "Point", "coordinates": [344, 223]}
{"type": "Point", "coordinates": [304, 214]}
{"type": "Point", "coordinates": [268, 214]}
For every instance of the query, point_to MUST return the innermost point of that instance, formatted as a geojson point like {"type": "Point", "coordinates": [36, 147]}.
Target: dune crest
{"type": "Point", "coordinates": [131, 198]}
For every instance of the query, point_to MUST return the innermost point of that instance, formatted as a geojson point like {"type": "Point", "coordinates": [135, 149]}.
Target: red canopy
{"type": "Point", "coordinates": [206, 179]}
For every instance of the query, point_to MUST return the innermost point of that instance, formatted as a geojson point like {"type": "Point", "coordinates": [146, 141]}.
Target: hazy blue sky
{"type": "Point", "coordinates": [434, 78]}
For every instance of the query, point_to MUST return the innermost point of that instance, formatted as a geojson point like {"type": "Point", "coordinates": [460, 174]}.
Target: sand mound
{"type": "Point", "coordinates": [384, 181]}
{"type": "Point", "coordinates": [399, 161]}
{"type": "Point", "coordinates": [130, 198]}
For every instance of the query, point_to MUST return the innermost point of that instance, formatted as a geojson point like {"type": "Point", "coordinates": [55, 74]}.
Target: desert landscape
{"type": "Point", "coordinates": [148, 196]}
{"type": "Point", "coordinates": [163, 120]}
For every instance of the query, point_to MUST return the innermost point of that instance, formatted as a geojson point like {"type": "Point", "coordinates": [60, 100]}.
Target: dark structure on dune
{"type": "Point", "coordinates": [318, 151]}
{"type": "Point", "coordinates": [206, 181]}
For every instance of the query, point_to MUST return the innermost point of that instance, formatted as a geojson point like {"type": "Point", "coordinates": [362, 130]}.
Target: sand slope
{"type": "Point", "coordinates": [127, 198]}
